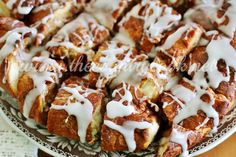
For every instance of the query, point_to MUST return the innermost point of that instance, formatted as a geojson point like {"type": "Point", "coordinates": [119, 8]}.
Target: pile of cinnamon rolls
{"type": "Point", "coordinates": [125, 72]}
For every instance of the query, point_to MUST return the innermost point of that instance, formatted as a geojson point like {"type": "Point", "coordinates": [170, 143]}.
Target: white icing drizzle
{"type": "Point", "coordinates": [217, 49]}
{"type": "Point", "coordinates": [85, 22]}
{"type": "Point", "coordinates": [211, 8]}
{"type": "Point", "coordinates": [161, 19]}
{"type": "Point", "coordinates": [181, 138]}
{"type": "Point", "coordinates": [14, 40]}
{"type": "Point", "coordinates": [110, 65]}
{"type": "Point", "coordinates": [192, 68]}
{"type": "Point", "coordinates": [193, 102]}
{"type": "Point", "coordinates": [117, 108]}
{"type": "Point", "coordinates": [24, 10]}
{"type": "Point", "coordinates": [183, 93]}
{"type": "Point", "coordinates": [103, 10]}
{"type": "Point", "coordinates": [41, 75]}
{"type": "Point", "coordinates": [175, 99]}
{"type": "Point", "coordinates": [160, 71]}
{"type": "Point", "coordinates": [46, 63]}
{"type": "Point", "coordinates": [197, 104]}
{"type": "Point", "coordinates": [9, 45]}
{"type": "Point", "coordinates": [133, 74]}
{"type": "Point", "coordinates": [104, 6]}
{"type": "Point", "coordinates": [157, 18]}
{"type": "Point", "coordinates": [52, 8]}
{"type": "Point", "coordinates": [204, 41]}
{"type": "Point", "coordinates": [14, 44]}
{"type": "Point", "coordinates": [40, 88]}
{"type": "Point", "coordinates": [82, 109]}
{"type": "Point", "coordinates": [173, 38]}
{"type": "Point", "coordinates": [203, 123]}
{"type": "Point", "coordinates": [127, 130]}
{"type": "Point", "coordinates": [229, 28]}
{"type": "Point", "coordinates": [173, 80]}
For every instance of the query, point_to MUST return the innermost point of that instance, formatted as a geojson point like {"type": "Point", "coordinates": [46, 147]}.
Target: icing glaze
{"type": "Point", "coordinates": [117, 108]}
{"type": "Point", "coordinates": [82, 108]}
{"type": "Point", "coordinates": [181, 138]}
{"type": "Point", "coordinates": [127, 130]}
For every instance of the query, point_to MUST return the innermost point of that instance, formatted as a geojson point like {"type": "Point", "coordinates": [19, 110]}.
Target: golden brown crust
{"type": "Point", "coordinates": [135, 24]}
{"type": "Point", "coordinates": [26, 4]}
{"type": "Point", "coordinates": [199, 57]}
{"type": "Point", "coordinates": [40, 105]}
{"type": "Point", "coordinates": [144, 36]}
{"type": "Point", "coordinates": [76, 40]}
{"type": "Point", "coordinates": [184, 44]}
{"type": "Point", "coordinates": [200, 124]}
{"type": "Point", "coordinates": [168, 61]}
{"type": "Point", "coordinates": [113, 140]}
{"type": "Point", "coordinates": [173, 149]}
{"type": "Point", "coordinates": [222, 105]}
{"type": "Point", "coordinates": [60, 123]}
{"type": "Point", "coordinates": [10, 64]}
{"type": "Point", "coordinates": [6, 24]}
{"type": "Point", "coordinates": [50, 17]}
{"type": "Point", "coordinates": [197, 124]}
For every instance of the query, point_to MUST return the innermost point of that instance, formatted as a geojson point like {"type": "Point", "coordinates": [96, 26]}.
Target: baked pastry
{"type": "Point", "coordinates": [76, 39]}
{"type": "Point", "coordinates": [50, 17]}
{"type": "Point", "coordinates": [37, 86]}
{"type": "Point", "coordinates": [194, 109]}
{"type": "Point", "coordinates": [204, 63]}
{"type": "Point", "coordinates": [76, 112]}
{"type": "Point", "coordinates": [102, 11]}
{"type": "Point", "coordinates": [14, 37]}
{"type": "Point", "coordinates": [219, 14]}
{"type": "Point", "coordinates": [144, 24]}
{"type": "Point", "coordinates": [115, 73]}
{"type": "Point", "coordinates": [177, 140]}
{"type": "Point", "coordinates": [128, 123]}
{"type": "Point", "coordinates": [178, 43]}
{"type": "Point", "coordinates": [20, 8]}
{"type": "Point", "coordinates": [174, 47]}
{"type": "Point", "coordinates": [110, 59]}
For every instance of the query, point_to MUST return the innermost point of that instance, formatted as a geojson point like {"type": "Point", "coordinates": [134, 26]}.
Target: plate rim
{"type": "Point", "coordinates": [51, 152]}
{"type": "Point", "coordinates": [12, 125]}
